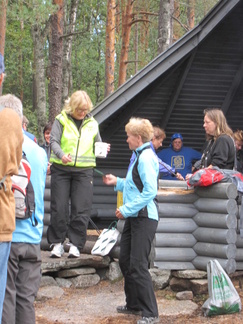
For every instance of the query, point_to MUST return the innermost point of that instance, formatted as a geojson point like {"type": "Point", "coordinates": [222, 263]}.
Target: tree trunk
{"type": "Point", "coordinates": [126, 31]}
{"type": "Point", "coordinates": [70, 22]}
{"type": "Point", "coordinates": [176, 15]}
{"type": "Point", "coordinates": [56, 53]}
{"type": "Point", "coordinates": [191, 13]}
{"type": "Point", "coordinates": [39, 86]}
{"type": "Point", "coordinates": [20, 67]}
{"type": "Point", "coordinates": [110, 47]}
{"type": "Point", "coordinates": [136, 47]}
{"type": "Point", "coordinates": [165, 29]}
{"type": "Point", "coordinates": [3, 14]}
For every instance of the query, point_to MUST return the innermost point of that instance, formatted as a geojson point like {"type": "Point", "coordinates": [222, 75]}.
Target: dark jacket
{"type": "Point", "coordinates": [220, 153]}
{"type": "Point", "coordinates": [240, 161]}
{"type": "Point", "coordinates": [47, 148]}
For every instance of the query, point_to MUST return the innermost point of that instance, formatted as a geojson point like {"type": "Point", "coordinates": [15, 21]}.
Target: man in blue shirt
{"type": "Point", "coordinates": [179, 157]}
{"type": "Point", "coordinates": [156, 143]}
{"type": "Point", "coordinates": [24, 264]}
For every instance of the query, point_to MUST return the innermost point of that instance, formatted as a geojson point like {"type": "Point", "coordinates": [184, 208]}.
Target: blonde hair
{"type": "Point", "coordinates": [78, 100]}
{"type": "Point", "coordinates": [217, 116]}
{"type": "Point", "coordinates": [238, 135]}
{"type": "Point", "coordinates": [142, 127]}
{"type": "Point", "coordinates": [159, 133]}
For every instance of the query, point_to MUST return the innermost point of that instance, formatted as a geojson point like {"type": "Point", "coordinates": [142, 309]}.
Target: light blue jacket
{"type": "Point", "coordinates": [133, 199]}
{"type": "Point", "coordinates": [25, 232]}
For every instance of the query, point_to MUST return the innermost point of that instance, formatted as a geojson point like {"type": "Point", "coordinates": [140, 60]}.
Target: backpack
{"type": "Point", "coordinates": [205, 177]}
{"type": "Point", "coordinates": [24, 192]}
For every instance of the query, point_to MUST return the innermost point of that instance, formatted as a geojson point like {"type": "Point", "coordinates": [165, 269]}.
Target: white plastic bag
{"type": "Point", "coordinates": [106, 240]}
{"type": "Point", "coordinates": [223, 297]}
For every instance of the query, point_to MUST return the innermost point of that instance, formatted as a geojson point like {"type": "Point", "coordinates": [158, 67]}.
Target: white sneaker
{"type": "Point", "coordinates": [57, 250]}
{"type": "Point", "coordinates": [73, 251]}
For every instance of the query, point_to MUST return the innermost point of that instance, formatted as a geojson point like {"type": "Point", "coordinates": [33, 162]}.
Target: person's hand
{"type": "Point", "coordinates": [188, 176]}
{"type": "Point", "coordinates": [179, 176]}
{"type": "Point", "coordinates": [66, 158]}
{"type": "Point", "coordinates": [48, 168]}
{"type": "Point", "coordinates": [108, 148]}
{"type": "Point", "coordinates": [110, 179]}
{"type": "Point", "coordinates": [119, 214]}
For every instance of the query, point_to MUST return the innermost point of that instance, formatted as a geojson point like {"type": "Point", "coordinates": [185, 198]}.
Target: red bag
{"type": "Point", "coordinates": [205, 177]}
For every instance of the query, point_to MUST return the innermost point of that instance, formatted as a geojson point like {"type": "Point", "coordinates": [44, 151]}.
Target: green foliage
{"type": "Point", "coordinates": [88, 58]}
{"type": "Point", "coordinates": [202, 7]}
{"type": "Point", "coordinates": [21, 16]}
{"type": "Point", "coordinates": [88, 48]}
{"type": "Point", "coordinates": [31, 12]}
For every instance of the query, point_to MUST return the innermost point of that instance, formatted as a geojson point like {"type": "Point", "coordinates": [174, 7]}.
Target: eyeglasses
{"type": "Point", "coordinates": [79, 110]}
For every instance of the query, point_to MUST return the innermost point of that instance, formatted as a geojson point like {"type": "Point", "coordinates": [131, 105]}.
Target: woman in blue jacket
{"type": "Point", "coordinates": [140, 212]}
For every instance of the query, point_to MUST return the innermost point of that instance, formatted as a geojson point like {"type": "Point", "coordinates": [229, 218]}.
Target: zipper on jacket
{"type": "Point", "coordinates": [82, 124]}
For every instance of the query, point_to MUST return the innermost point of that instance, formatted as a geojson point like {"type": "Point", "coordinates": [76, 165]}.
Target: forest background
{"type": "Point", "coordinates": [55, 47]}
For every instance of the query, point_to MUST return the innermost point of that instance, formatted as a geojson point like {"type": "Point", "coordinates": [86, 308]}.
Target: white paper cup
{"type": "Point", "coordinates": [101, 149]}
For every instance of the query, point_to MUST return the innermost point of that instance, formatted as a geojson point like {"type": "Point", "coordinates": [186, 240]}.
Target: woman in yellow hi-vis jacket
{"type": "Point", "coordinates": [73, 135]}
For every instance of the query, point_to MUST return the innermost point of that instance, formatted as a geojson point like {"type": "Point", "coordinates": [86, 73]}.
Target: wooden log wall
{"type": "Point", "coordinates": [47, 216]}
{"type": "Point", "coordinates": [239, 235]}
{"type": "Point", "coordinates": [195, 225]}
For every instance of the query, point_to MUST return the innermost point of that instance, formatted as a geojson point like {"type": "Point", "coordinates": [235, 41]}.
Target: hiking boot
{"type": "Point", "coordinates": [148, 320]}
{"type": "Point", "coordinates": [57, 250]}
{"type": "Point", "coordinates": [127, 310]}
{"type": "Point", "coordinates": [73, 251]}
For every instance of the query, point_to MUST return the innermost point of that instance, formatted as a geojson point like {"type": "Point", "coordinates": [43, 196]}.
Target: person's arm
{"type": "Point", "coordinates": [98, 137]}
{"type": "Point", "coordinates": [55, 139]}
{"type": "Point", "coordinates": [111, 180]}
{"type": "Point", "coordinates": [220, 152]}
{"type": "Point", "coordinates": [148, 171]}
{"type": "Point", "coordinates": [167, 169]}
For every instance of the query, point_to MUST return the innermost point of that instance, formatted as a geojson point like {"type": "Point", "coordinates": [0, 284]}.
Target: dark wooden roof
{"type": "Point", "coordinates": [203, 69]}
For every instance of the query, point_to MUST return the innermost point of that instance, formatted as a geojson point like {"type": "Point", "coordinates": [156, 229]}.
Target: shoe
{"type": "Point", "coordinates": [127, 310]}
{"type": "Point", "coordinates": [73, 251]}
{"type": "Point", "coordinates": [148, 320]}
{"type": "Point", "coordinates": [57, 250]}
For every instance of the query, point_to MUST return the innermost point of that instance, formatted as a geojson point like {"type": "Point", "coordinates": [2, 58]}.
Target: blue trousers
{"type": "Point", "coordinates": [135, 247]}
{"type": "Point", "coordinates": [4, 254]}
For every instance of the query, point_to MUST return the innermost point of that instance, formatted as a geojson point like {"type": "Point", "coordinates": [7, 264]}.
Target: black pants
{"type": "Point", "coordinates": [135, 247]}
{"type": "Point", "coordinates": [79, 187]}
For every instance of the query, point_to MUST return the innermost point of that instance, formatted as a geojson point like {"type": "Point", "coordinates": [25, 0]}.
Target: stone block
{"type": "Point", "coordinates": [85, 281]}
{"type": "Point", "coordinates": [114, 273]}
{"type": "Point", "coordinates": [76, 272]}
{"type": "Point", "coordinates": [47, 281]}
{"type": "Point", "coordinates": [184, 295]}
{"type": "Point", "coordinates": [199, 286]}
{"type": "Point", "coordinates": [49, 292]}
{"type": "Point", "coordinates": [64, 283]}
{"type": "Point", "coordinates": [160, 278]}
{"type": "Point", "coordinates": [189, 274]}
{"type": "Point", "coordinates": [178, 284]}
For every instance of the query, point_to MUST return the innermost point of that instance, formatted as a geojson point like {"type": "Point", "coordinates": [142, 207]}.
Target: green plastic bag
{"type": "Point", "coordinates": [223, 297]}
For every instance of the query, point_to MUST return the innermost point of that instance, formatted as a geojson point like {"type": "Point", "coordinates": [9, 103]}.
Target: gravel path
{"type": "Point", "coordinates": [98, 305]}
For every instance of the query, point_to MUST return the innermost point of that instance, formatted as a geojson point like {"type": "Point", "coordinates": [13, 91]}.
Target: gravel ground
{"type": "Point", "coordinates": [98, 305]}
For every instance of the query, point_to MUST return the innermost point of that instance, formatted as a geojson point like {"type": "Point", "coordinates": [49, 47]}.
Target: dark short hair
{"type": "Point", "coordinates": [47, 127]}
